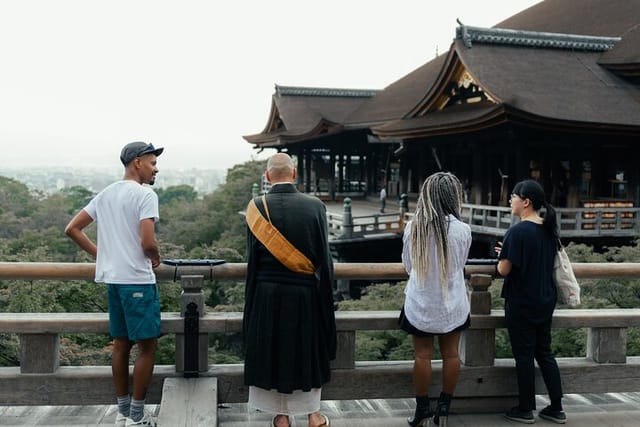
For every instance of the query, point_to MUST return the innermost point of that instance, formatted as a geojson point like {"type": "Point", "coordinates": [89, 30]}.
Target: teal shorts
{"type": "Point", "coordinates": [134, 311]}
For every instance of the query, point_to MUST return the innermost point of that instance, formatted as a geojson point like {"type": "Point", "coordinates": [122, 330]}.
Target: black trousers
{"type": "Point", "coordinates": [529, 341]}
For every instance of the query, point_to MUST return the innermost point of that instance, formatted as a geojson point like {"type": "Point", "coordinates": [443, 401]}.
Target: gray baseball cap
{"type": "Point", "coordinates": [137, 149]}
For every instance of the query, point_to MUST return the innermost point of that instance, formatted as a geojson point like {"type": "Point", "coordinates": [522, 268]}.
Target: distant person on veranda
{"type": "Point", "coordinates": [436, 245]}
{"type": "Point", "coordinates": [126, 254]}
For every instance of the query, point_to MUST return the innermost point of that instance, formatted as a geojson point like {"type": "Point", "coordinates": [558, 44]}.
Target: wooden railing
{"type": "Point", "coordinates": [495, 220]}
{"type": "Point", "coordinates": [574, 222]}
{"type": "Point", "coordinates": [485, 384]}
{"type": "Point", "coordinates": [362, 225]}
{"type": "Point", "coordinates": [347, 226]}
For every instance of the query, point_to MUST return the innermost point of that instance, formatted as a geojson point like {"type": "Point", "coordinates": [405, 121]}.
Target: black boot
{"type": "Point", "coordinates": [422, 414]}
{"type": "Point", "coordinates": [441, 416]}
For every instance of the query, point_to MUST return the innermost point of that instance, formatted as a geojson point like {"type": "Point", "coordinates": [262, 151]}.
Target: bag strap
{"type": "Point", "coordinates": [275, 242]}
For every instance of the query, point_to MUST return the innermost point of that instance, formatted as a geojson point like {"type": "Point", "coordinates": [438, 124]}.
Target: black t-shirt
{"type": "Point", "coordinates": [529, 289]}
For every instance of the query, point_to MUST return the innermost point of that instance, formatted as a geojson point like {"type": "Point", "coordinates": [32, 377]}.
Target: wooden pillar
{"type": "Point", "coordinates": [575, 183]}
{"type": "Point", "coordinates": [345, 350]}
{"type": "Point", "coordinates": [477, 177]}
{"type": "Point", "coordinates": [39, 353]}
{"type": "Point", "coordinates": [478, 346]}
{"type": "Point", "coordinates": [341, 173]}
{"type": "Point", "coordinates": [362, 174]}
{"type": "Point", "coordinates": [332, 176]}
{"type": "Point", "coordinates": [307, 171]}
{"type": "Point", "coordinates": [598, 165]}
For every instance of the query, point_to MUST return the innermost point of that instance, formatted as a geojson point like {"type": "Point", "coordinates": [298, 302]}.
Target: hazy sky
{"type": "Point", "coordinates": [79, 79]}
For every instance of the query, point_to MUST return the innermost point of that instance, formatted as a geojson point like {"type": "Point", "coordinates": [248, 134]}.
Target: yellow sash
{"type": "Point", "coordinates": [275, 242]}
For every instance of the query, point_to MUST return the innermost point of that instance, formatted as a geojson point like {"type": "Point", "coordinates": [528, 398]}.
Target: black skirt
{"type": "Point", "coordinates": [406, 326]}
{"type": "Point", "coordinates": [286, 347]}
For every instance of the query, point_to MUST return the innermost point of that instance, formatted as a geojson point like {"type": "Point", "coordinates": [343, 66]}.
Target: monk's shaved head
{"type": "Point", "coordinates": [280, 168]}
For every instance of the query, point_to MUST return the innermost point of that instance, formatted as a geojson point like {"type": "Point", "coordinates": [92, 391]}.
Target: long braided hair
{"type": "Point", "coordinates": [440, 196]}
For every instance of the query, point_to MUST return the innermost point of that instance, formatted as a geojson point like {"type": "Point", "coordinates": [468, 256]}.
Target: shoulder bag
{"type": "Point", "coordinates": [565, 279]}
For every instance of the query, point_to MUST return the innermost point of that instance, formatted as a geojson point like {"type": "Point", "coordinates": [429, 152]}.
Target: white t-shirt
{"type": "Point", "coordinates": [426, 306]}
{"type": "Point", "coordinates": [118, 210]}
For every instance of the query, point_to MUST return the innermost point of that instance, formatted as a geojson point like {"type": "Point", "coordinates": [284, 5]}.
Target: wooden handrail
{"type": "Point", "coordinates": [237, 271]}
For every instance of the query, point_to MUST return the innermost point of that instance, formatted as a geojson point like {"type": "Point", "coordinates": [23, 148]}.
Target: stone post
{"type": "Point", "coordinates": [478, 346]}
{"type": "Point", "coordinates": [343, 285]}
{"type": "Point", "coordinates": [347, 219]}
{"type": "Point", "coordinates": [404, 208]}
{"type": "Point", "coordinates": [39, 353]}
{"type": "Point", "coordinates": [192, 300]}
{"type": "Point", "coordinates": [607, 345]}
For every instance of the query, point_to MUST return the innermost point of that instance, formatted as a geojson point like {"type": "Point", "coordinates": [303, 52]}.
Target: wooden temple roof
{"type": "Point", "coordinates": [542, 79]}
{"type": "Point", "coordinates": [548, 66]}
{"type": "Point", "coordinates": [300, 113]}
{"type": "Point", "coordinates": [591, 17]}
{"type": "Point", "coordinates": [560, 64]}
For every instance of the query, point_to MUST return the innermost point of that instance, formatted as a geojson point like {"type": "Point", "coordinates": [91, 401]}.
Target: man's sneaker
{"type": "Point", "coordinates": [558, 417]}
{"type": "Point", "coordinates": [121, 420]}
{"type": "Point", "coordinates": [147, 420]}
{"type": "Point", "coordinates": [516, 414]}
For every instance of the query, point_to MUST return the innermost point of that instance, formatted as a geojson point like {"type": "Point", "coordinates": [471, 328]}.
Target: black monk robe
{"type": "Point", "coordinates": [289, 326]}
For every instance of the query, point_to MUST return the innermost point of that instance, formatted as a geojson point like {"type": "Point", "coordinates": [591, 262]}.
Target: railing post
{"type": "Point", "coordinates": [347, 219]}
{"type": "Point", "coordinates": [478, 346]}
{"type": "Point", "coordinates": [404, 208]}
{"type": "Point", "coordinates": [607, 345]}
{"type": "Point", "coordinates": [344, 285]}
{"type": "Point", "coordinates": [345, 351]}
{"type": "Point", "coordinates": [192, 347]}
{"type": "Point", "coordinates": [39, 353]}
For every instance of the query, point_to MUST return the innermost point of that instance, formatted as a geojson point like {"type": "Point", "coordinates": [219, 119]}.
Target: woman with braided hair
{"type": "Point", "coordinates": [435, 249]}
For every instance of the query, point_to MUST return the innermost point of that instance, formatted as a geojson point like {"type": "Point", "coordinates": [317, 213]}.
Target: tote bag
{"type": "Point", "coordinates": [565, 279]}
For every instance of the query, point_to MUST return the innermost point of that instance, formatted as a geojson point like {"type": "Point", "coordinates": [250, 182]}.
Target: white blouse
{"type": "Point", "coordinates": [426, 306]}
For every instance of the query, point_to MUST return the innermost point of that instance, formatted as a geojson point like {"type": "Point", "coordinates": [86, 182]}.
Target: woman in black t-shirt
{"type": "Point", "coordinates": [526, 260]}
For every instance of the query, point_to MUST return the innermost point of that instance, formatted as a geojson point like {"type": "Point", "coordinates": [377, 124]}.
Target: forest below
{"type": "Point", "coordinates": [210, 226]}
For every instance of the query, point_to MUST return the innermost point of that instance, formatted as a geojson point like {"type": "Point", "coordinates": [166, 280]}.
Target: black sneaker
{"type": "Point", "coordinates": [516, 414]}
{"type": "Point", "coordinates": [558, 417]}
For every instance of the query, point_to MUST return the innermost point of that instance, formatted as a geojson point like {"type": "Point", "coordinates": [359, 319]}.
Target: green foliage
{"type": "Point", "coordinates": [176, 194]}
{"type": "Point", "coordinates": [33, 231]}
{"type": "Point", "coordinates": [225, 348]}
{"type": "Point", "coordinates": [383, 296]}
{"type": "Point", "coordinates": [380, 345]}
{"type": "Point", "coordinates": [76, 198]}
{"type": "Point", "coordinates": [212, 227]}
{"type": "Point", "coordinates": [383, 345]}
{"type": "Point", "coordinates": [211, 224]}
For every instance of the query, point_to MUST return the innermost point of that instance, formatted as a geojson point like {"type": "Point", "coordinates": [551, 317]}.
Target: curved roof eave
{"type": "Point", "coordinates": [500, 114]}
{"type": "Point", "coordinates": [287, 137]}
{"type": "Point", "coordinates": [460, 119]}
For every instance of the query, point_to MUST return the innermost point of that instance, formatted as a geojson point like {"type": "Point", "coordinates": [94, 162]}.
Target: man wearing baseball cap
{"type": "Point", "coordinates": [126, 254]}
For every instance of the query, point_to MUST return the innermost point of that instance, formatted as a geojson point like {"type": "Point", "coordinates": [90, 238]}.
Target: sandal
{"type": "Point", "coordinates": [292, 422]}
{"type": "Point", "coordinates": [327, 421]}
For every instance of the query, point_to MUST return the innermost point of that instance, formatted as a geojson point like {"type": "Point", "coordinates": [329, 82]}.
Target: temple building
{"type": "Point", "coordinates": [551, 93]}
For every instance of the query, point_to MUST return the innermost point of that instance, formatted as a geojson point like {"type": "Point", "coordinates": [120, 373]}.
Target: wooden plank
{"type": "Point", "coordinates": [368, 380]}
{"type": "Point", "coordinates": [189, 402]}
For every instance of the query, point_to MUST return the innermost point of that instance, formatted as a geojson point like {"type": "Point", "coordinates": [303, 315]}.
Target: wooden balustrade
{"type": "Point", "coordinates": [486, 383]}
{"type": "Point", "coordinates": [495, 220]}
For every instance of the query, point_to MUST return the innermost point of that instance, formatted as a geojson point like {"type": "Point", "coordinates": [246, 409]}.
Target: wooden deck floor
{"type": "Point", "coordinates": [608, 410]}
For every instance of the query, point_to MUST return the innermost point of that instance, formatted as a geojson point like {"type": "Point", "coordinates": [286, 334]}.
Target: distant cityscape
{"type": "Point", "coordinates": [52, 179]}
